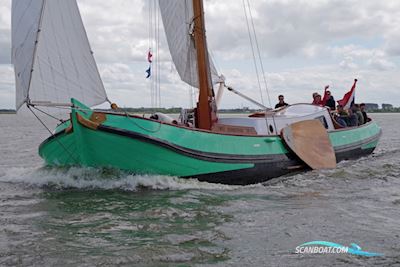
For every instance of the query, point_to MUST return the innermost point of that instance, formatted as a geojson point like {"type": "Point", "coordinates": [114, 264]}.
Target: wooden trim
{"type": "Point", "coordinates": [233, 129]}
{"type": "Point", "coordinates": [177, 125]}
{"type": "Point", "coordinates": [98, 117]}
{"type": "Point", "coordinates": [95, 120]}
{"type": "Point", "coordinates": [69, 129]}
{"type": "Point", "coordinates": [87, 123]}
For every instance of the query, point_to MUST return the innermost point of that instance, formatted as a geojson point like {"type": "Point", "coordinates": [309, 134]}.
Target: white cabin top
{"type": "Point", "coordinates": [298, 110]}
{"type": "Point", "coordinates": [274, 121]}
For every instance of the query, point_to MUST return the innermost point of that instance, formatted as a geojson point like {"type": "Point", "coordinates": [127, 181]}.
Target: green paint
{"type": "Point", "coordinates": [370, 145]}
{"type": "Point", "coordinates": [102, 149]}
{"type": "Point", "coordinates": [356, 135]}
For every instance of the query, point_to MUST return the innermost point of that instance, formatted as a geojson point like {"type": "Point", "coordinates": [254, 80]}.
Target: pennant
{"type": "Point", "coordinates": [149, 56]}
{"type": "Point", "coordinates": [148, 71]}
{"type": "Point", "coordinates": [348, 99]}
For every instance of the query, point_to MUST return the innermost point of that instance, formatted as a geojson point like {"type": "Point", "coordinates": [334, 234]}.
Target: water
{"type": "Point", "coordinates": [89, 217]}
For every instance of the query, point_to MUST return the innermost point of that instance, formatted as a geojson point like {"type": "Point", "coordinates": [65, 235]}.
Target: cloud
{"type": "Point", "coordinates": [354, 57]}
{"type": "Point", "coordinates": [290, 27]}
{"type": "Point", "coordinates": [392, 41]}
{"type": "Point", "coordinates": [5, 33]}
{"type": "Point", "coordinates": [304, 45]}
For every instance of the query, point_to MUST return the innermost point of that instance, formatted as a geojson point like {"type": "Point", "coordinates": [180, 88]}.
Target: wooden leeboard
{"type": "Point", "coordinates": [309, 140]}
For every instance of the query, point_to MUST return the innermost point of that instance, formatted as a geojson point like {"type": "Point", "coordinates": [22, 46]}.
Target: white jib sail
{"type": "Point", "coordinates": [51, 54]}
{"type": "Point", "coordinates": [177, 16]}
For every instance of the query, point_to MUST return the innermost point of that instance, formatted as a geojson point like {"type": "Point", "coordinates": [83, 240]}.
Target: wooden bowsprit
{"type": "Point", "coordinates": [309, 140]}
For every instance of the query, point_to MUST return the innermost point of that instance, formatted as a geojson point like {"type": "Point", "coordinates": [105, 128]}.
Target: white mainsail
{"type": "Point", "coordinates": [177, 16]}
{"type": "Point", "coordinates": [51, 54]}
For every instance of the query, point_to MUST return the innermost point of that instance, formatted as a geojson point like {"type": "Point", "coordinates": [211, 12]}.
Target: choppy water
{"type": "Point", "coordinates": [88, 217]}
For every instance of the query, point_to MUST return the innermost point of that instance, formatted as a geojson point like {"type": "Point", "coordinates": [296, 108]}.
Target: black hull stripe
{"type": "Point", "coordinates": [262, 172]}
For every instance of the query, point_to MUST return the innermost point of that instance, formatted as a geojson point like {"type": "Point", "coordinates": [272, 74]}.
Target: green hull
{"type": "Point", "coordinates": [145, 146]}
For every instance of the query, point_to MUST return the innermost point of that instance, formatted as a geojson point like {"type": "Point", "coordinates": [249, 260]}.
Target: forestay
{"type": "Point", "coordinates": [177, 16]}
{"type": "Point", "coordinates": [51, 54]}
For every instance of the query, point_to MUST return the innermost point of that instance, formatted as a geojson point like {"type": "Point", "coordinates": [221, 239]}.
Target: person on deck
{"type": "Point", "coordinates": [353, 118]}
{"type": "Point", "coordinates": [356, 110]}
{"type": "Point", "coordinates": [281, 102]}
{"type": "Point", "coordinates": [341, 116]}
{"type": "Point", "coordinates": [362, 108]}
{"type": "Point", "coordinates": [316, 99]}
{"type": "Point", "coordinates": [328, 99]}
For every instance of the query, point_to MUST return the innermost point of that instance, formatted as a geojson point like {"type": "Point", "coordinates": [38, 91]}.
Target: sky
{"type": "Point", "coordinates": [304, 45]}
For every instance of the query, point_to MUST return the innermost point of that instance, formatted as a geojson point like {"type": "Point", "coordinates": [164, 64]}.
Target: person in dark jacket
{"type": "Point", "coordinates": [341, 116]}
{"type": "Point", "coordinates": [364, 113]}
{"type": "Point", "coordinates": [330, 101]}
{"type": "Point", "coordinates": [281, 102]}
{"type": "Point", "coordinates": [356, 110]}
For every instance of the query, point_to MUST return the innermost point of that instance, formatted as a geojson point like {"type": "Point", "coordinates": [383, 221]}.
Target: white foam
{"type": "Point", "coordinates": [92, 178]}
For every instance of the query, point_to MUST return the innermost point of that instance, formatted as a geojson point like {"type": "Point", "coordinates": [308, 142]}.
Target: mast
{"type": "Point", "coordinates": [205, 112]}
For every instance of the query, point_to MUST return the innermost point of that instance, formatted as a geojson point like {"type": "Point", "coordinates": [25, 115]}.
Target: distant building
{"type": "Point", "coordinates": [371, 106]}
{"type": "Point", "coordinates": [387, 106]}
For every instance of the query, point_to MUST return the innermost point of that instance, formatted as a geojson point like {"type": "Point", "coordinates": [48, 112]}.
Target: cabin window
{"type": "Point", "coordinates": [322, 119]}
{"type": "Point", "coordinates": [271, 129]}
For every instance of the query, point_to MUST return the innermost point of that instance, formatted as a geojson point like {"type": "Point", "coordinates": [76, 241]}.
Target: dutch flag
{"type": "Point", "coordinates": [348, 99]}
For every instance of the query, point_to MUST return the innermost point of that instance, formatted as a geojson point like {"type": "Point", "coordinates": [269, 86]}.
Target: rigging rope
{"type": "Point", "coordinates": [48, 114]}
{"type": "Point", "coordinates": [252, 50]}
{"type": "Point", "coordinates": [150, 51]}
{"type": "Point", "coordinates": [124, 111]}
{"type": "Point", "coordinates": [51, 133]}
{"type": "Point", "coordinates": [259, 56]}
{"type": "Point", "coordinates": [154, 42]}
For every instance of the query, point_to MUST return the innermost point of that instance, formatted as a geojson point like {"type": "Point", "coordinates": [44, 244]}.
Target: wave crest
{"type": "Point", "coordinates": [100, 178]}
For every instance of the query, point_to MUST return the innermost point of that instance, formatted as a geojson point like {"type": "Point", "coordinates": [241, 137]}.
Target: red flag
{"type": "Point", "coordinates": [149, 56]}
{"type": "Point", "coordinates": [348, 99]}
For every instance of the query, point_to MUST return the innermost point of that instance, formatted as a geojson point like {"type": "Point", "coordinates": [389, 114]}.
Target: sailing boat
{"type": "Point", "coordinates": [55, 67]}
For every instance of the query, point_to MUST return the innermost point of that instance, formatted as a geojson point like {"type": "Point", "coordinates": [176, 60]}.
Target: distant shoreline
{"type": "Point", "coordinates": [177, 111]}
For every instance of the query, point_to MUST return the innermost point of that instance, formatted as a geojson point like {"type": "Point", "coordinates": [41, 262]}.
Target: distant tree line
{"type": "Point", "coordinates": [386, 108]}
{"type": "Point", "coordinates": [371, 107]}
{"type": "Point", "coordinates": [382, 110]}
{"type": "Point", "coordinates": [7, 111]}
